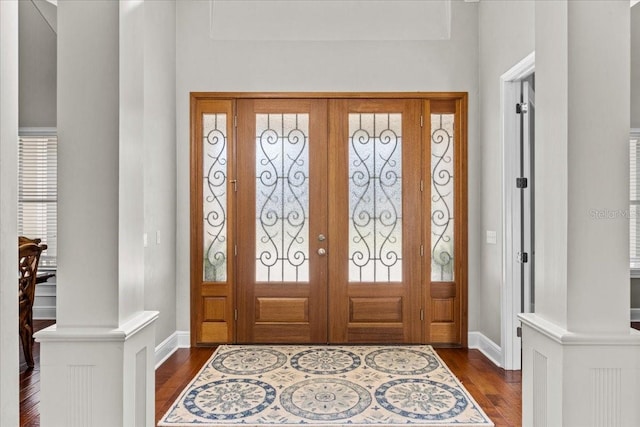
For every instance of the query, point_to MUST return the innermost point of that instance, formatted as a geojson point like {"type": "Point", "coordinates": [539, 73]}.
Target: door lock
{"type": "Point", "coordinates": [322, 252]}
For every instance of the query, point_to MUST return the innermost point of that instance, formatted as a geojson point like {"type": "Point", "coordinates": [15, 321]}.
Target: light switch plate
{"type": "Point", "coordinates": [492, 237]}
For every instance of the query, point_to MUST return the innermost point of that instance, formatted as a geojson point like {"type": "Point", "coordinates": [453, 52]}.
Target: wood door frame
{"type": "Point", "coordinates": [461, 100]}
{"type": "Point", "coordinates": [510, 294]}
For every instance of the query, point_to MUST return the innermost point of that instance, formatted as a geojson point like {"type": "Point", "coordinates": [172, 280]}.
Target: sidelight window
{"type": "Point", "coordinates": [442, 197]}
{"type": "Point", "coordinates": [214, 198]}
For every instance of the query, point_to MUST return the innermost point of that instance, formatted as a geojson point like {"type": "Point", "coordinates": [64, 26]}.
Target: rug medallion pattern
{"type": "Point", "coordinates": [325, 385]}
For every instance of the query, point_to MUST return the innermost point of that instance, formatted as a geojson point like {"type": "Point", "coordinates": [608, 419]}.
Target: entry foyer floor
{"type": "Point", "coordinates": [497, 391]}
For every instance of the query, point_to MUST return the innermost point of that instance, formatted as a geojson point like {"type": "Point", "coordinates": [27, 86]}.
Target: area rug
{"type": "Point", "coordinates": [325, 385]}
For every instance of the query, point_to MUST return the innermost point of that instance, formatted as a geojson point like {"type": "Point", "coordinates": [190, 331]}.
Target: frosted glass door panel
{"type": "Point", "coordinates": [282, 198]}
{"type": "Point", "coordinates": [375, 197]}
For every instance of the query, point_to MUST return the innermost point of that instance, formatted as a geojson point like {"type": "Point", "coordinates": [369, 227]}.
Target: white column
{"type": "Point", "coordinates": [580, 357]}
{"type": "Point", "coordinates": [97, 362]}
{"type": "Point", "coordinates": [9, 412]}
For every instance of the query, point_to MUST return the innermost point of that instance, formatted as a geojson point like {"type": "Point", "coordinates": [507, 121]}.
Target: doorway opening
{"type": "Point", "coordinates": [518, 142]}
{"type": "Point", "coordinates": [329, 218]}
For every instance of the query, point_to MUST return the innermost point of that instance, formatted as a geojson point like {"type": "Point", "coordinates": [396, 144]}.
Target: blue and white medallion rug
{"type": "Point", "coordinates": [293, 385]}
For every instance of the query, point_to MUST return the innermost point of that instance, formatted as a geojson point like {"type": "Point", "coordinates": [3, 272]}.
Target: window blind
{"type": "Point", "coordinates": [634, 196]}
{"type": "Point", "coordinates": [38, 193]}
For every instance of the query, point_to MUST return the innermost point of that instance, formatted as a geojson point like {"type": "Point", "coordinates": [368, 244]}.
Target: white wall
{"type": "Point", "coordinates": [598, 140]}
{"type": "Point", "coordinates": [577, 137]}
{"type": "Point", "coordinates": [37, 68]}
{"type": "Point", "coordinates": [635, 67]}
{"type": "Point", "coordinates": [160, 164]}
{"type": "Point", "coordinates": [9, 414]}
{"type": "Point", "coordinates": [88, 153]}
{"type": "Point", "coordinates": [207, 65]}
{"type": "Point", "coordinates": [506, 33]}
{"type": "Point", "coordinates": [131, 162]}
{"type": "Point", "coordinates": [635, 109]}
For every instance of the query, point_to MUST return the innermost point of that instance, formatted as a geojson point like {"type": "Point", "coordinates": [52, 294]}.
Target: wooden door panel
{"type": "Point", "coordinates": [282, 153]}
{"type": "Point", "coordinates": [374, 177]}
{"type": "Point", "coordinates": [375, 310]}
{"type": "Point", "coordinates": [282, 310]}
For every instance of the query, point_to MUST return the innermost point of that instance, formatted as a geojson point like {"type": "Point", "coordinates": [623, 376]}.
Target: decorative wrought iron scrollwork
{"type": "Point", "coordinates": [375, 163]}
{"type": "Point", "coordinates": [282, 250]}
{"type": "Point", "coordinates": [215, 192]}
{"type": "Point", "coordinates": [442, 197]}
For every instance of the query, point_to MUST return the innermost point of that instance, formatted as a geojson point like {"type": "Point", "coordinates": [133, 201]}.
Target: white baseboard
{"type": "Point", "coordinates": [635, 314]}
{"type": "Point", "coordinates": [179, 339]}
{"type": "Point", "coordinates": [491, 350]}
{"type": "Point", "coordinates": [182, 339]}
{"type": "Point", "coordinates": [44, 312]}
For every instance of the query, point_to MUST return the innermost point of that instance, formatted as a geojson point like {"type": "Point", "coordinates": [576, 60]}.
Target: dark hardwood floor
{"type": "Point", "coordinates": [30, 382]}
{"type": "Point", "coordinates": [497, 391]}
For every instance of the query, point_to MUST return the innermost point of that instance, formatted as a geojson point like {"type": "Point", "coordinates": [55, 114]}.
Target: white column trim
{"type": "Point", "coordinates": [567, 338]}
{"type": "Point", "coordinates": [123, 333]}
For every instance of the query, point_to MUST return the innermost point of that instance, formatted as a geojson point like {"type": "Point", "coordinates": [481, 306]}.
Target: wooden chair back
{"type": "Point", "coordinates": [28, 259]}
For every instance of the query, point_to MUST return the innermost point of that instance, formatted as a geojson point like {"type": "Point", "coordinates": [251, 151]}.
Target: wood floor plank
{"type": "Point", "coordinates": [498, 392]}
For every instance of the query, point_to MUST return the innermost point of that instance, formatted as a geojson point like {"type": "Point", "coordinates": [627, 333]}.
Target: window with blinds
{"type": "Point", "coordinates": [634, 203]}
{"type": "Point", "coordinates": [38, 192]}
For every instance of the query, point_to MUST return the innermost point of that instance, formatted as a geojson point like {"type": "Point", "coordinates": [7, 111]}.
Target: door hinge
{"type": "Point", "coordinates": [235, 250]}
{"type": "Point", "coordinates": [421, 250]}
{"type": "Point", "coordinates": [421, 121]}
{"type": "Point", "coordinates": [522, 108]}
{"type": "Point", "coordinates": [421, 185]}
{"type": "Point", "coordinates": [523, 257]}
{"type": "Point", "coordinates": [235, 314]}
{"type": "Point", "coordinates": [235, 121]}
{"type": "Point", "coordinates": [235, 185]}
{"type": "Point", "coordinates": [519, 332]}
{"type": "Point", "coordinates": [421, 314]}
{"type": "Point", "coordinates": [522, 182]}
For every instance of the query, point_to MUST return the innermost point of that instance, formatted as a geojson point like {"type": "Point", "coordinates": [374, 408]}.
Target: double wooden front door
{"type": "Point", "coordinates": [318, 218]}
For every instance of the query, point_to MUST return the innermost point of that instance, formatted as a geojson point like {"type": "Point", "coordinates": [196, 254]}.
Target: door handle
{"type": "Point", "coordinates": [322, 252]}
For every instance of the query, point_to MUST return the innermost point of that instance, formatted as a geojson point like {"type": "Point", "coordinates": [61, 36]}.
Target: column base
{"type": "Point", "coordinates": [580, 380]}
{"type": "Point", "coordinates": [98, 376]}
